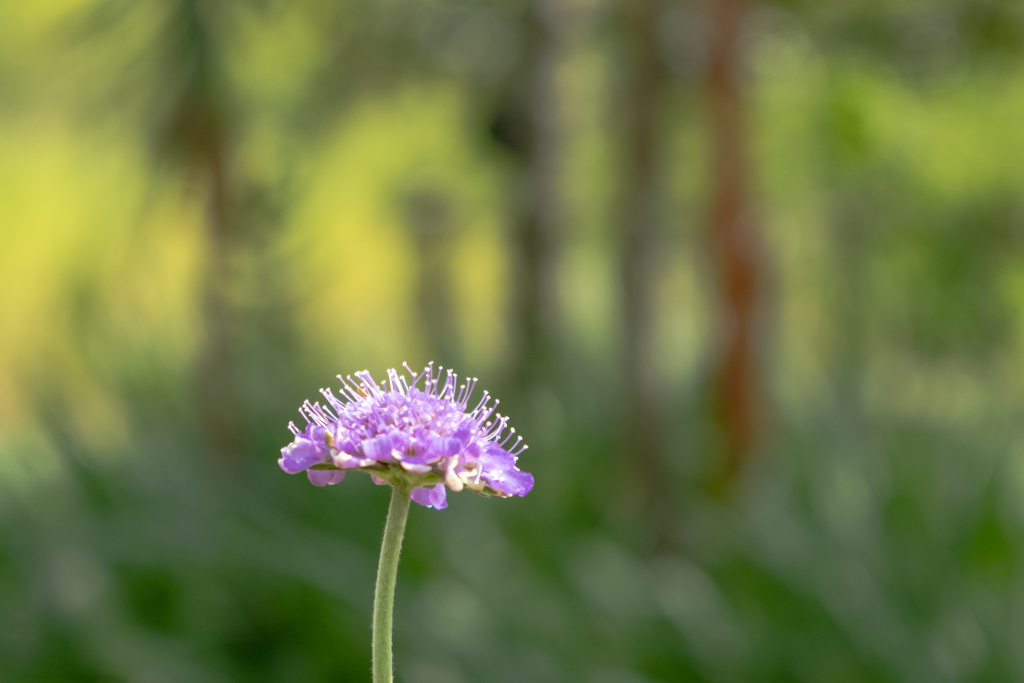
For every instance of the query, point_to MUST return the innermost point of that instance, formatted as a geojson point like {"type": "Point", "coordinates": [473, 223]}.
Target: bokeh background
{"type": "Point", "coordinates": [749, 278]}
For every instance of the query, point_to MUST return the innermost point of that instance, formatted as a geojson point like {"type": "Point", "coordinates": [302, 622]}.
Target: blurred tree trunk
{"type": "Point", "coordinates": [431, 224]}
{"type": "Point", "coordinates": [198, 133]}
{"type": "Point", "coordinates": [179, 77]}
{"type": "Point", "coordinates": [849, 216]}
{"type": "Point", "coordinates": [732, 238]}
{"type": "Point", "coordinates": [528, 124]}
{"type": "Point", "coordinates": [644, 89]}
{"type": "Point", "coordinates": [217, 383]}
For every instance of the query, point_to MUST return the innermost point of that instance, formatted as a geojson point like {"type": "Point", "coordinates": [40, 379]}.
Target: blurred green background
{"type": "Point", "coordinates": [749, 278]}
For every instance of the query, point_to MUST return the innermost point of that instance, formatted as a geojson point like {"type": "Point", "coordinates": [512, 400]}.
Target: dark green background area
{"type": "Point", "coordinates": [210, 209]}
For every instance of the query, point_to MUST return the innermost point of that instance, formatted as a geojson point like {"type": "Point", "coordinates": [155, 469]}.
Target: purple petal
{"type": "Point", "coordinates": [444, 447]}
{"type": "Point", "coordinates": [497, 458]}
{"type": "Point", "coordinates": [464, 432]}
{"type": "Point", "coordinates": [345, 446]}
{"type": "Point", "coordinates": [378, 448]}
{"type": "Point", "coordinates": [421, 496]}
{"type": "Point", "coordinates": [439, 497]}
{"type": "Point", "coordinates": [315, 432]}
{"type": "Point", "coordinates": [512, 482]}
{"type": "Point", "coordinates": [400, 441]}
{"type": "Point", "coordinates": [324, 477]}
{"type": "Point", "coordinates": [431, 497]}
{"type": "Point", "coordinates": [499, 471]}
{"type": "Point", "coordinates": [300, 455]}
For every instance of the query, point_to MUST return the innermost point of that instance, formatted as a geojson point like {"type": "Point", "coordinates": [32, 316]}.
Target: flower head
{"type": "Point", "coordinates": [425, 437]}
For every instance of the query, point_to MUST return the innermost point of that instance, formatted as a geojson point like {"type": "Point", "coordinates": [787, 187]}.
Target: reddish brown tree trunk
{"type": "Point", "coordinates": [732, 238]}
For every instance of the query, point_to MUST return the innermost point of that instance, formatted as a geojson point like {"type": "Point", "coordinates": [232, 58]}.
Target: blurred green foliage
{"type": "Point", "coordinates": [211, 208]}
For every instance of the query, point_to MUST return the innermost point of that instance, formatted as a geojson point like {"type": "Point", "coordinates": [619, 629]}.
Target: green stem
{"type": "Point", "coordinates": [387, 572]}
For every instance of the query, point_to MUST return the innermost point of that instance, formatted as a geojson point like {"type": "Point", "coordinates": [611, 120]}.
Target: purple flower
{"type": "Point", "coordinates": [425, 437]}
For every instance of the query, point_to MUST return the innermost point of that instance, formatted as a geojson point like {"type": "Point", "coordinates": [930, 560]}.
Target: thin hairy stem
{"type": "Point", "coordinates": [387, 572]}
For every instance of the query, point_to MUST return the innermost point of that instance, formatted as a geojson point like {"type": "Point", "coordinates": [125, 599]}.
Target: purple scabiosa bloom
{"type": "Point", "coordinates": [426, 437]}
